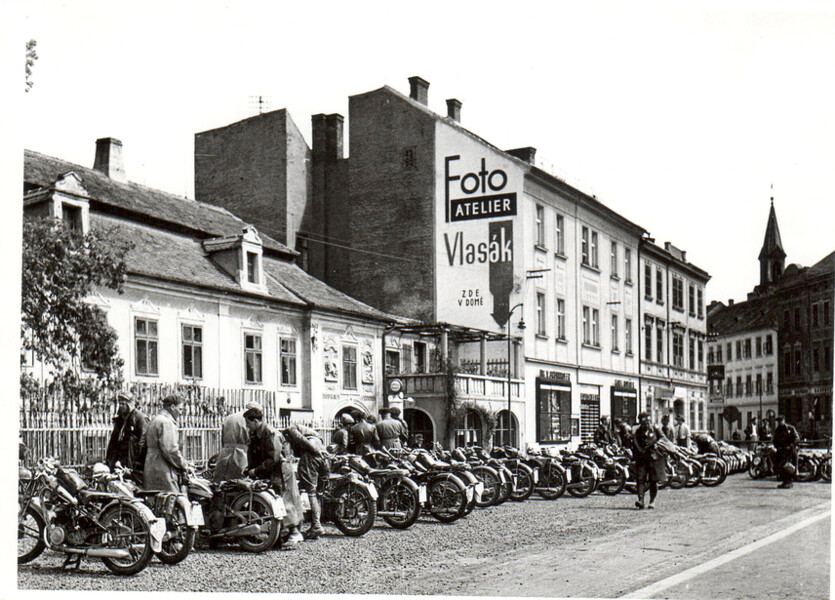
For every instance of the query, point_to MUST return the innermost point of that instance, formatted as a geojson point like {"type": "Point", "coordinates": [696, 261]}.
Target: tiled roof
{"type": "Point", "coordinates": [179, 212]}
{"type": "Point", "coordinates": [825, 266]}
{"type": "Point", "coordinates": [756, 313]}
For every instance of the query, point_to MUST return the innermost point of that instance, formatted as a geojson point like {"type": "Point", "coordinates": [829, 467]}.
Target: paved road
{"type": "Point", "coordinates": [594, 547]}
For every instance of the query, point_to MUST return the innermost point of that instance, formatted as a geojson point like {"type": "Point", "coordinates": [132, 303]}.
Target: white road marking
{"type": "Point", "coordinates": [659, 586]}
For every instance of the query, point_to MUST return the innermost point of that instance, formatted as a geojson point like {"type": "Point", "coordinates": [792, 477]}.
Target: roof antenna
{"type": "Point", "coordinates": [262, 102]}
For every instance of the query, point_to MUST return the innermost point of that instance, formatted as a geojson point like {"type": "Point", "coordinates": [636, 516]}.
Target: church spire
{"type": "Point", "coordinates": [772, 256]}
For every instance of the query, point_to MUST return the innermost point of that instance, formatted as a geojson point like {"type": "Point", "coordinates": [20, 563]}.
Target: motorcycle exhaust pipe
{"type": "Point", "coordinates": [242, 531]}
{"type": "Point", "coordinates": [391, 513]}
{"type": "Point", "coordinates": [99, 552]}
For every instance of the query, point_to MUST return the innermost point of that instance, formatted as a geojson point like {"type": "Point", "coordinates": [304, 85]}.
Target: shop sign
{"type": "Point", "coordinates": [480, 194]}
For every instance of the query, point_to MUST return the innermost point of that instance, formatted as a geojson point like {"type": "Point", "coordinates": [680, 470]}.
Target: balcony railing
{"type": "Point", "coordinates": [468, 387]}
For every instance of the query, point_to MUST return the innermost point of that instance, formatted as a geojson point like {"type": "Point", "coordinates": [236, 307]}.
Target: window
{"type": "Point", "coordinates": [560, 319]}
{"type": "Point", "coordinates": [252, 267]}
{"type": "Point", "coordinates": [648, 282]}
{"type": "Point", "coordinates": [759, 346]}
{"type": "Point", "coordinates": [408, 365]}
{"type": "Point", "coordinates": [748, 386]}
{"type": "Point", "coordinates": [586, 325]}
{"type": "Point", "coordinates": [826, 312]}
{"type": "Point", "coordinates": [719, 354]}
{"type": "Point", "coordinates": [540, 225]}
{"type": "Point", "coordinates": [648, 341]}
{"type": "Point", "coordinates": [729, 388]}
{"type": "Point", "coordinates": [594, 262]}
{"type": "Point", "coordinates": [700, 303]}
{"type": "Point", "coordinates": [678, 294]}
{"type": "Point", "coordinates": [409, 163]}
{"type": "Point", "coordinates": [730, 354]}
{"type": "Point", "coordinates": [627, 330]}
{"type": "Point", "coordinates": [659, 286]}
{"type": "Point", "coordinates": [252, 356]}
{"type": "Point", "coordinates": [192, 352]}
{"type": "Point", "coordinates": [747, 348]}
{"type": "Point", "coordinates": [659, 343]}
{"type": "Point", "coordinates": [759, 388]}
{"type": "Point", "coordinates": [815, 360]}
{"type": "Point", "coordinates": [595, 326]}
{"type": "Point", "coordinates": [827, 359]}
{"type": "Point", "coordinates": [787, 362]}
{"type": "Point", "coordinates": [739, 349]}
{"type": "Point", "coordinates": [288, 361]}
{"type": "Point", "coordinates": [627, 265]}
{"type": "Point", "coordinates": [691, 353]}
{"type": "Point", "coordinates": [678, 350]}
{"type": "Point", "coordinates": [769, 382]}
{"type": "Point", "coordinates": [145, 333]}
{"type": "Point", "coordinates": [540, 313]}
{"type": "Point", "coordinates": [797, 363]}
{"type": "Point", "coordinates": [553, 408]}
{"type": "Point", "coordinates": [420, 357]}
{"type": "Point", "coordinates": [614, 332]}
{"type": "Point", "coordinates": [691, 300]}
{"type": "Point", "coordinates": [614, 259]}
{"type": "Point", "coordinates": [559, 234]}
{"type": "Point", "coordinates": [814, 315]}
{"type": "Point", "coordinates": [392, 362]}
{"type": "Point", "coordinates": [739, 385]}
{"type": "Point", "coordinates": [701, 355]}
{"type": "Point", "coordinates": [71, 217]}
{"type": "Point", "coordinates": [710, 355]}
{"type": "Point", "coordinates": [349, 367]}
{"type": "Point", "coordinates": [584, 248]}
{"type": "Point", "coordinates": [769, 349]}
{"type": "Point", "coordinates": [797, 318]}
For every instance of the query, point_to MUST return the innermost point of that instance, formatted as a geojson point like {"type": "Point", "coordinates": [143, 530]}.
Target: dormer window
{"type": "Point", "coordinates": [71, 217]}
{"type": "Point", "coordinates": [252, 267]}
{"type": "Point", "coordinates": [241, 257]}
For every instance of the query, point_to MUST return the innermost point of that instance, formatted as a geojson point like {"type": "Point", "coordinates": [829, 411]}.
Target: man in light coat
{"type": "Point", "coordinates": [164, 465]}
{"type": "Point", "coordinates": [234, 439]}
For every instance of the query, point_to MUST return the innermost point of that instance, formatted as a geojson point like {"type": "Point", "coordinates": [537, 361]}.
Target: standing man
{"type": "Point", "coordinates": [404, 435]}
{"type": "Point", "coordinates": [388, 430]}
{"type": "Point", "coordinates": [164, 465]}
{"type": "Point", "coordinates": [343, 442]}
{"type": "Point", "coordinates": [365, 434]}
{"type": "Point", "coordinates": [682, 432]}
{"type": "Point", "coordinates": [624, 433]}
{"type": "Point", "coordinates": [650, 463]}
{"type": "Point", "coordinates": [313, 472]}
{"type": "Point", "coordinates": [234, 440]}
{"type": "Point", "coordinates": [125, 442]}
{"type": "Point", "coordinates": [667, 429]}
{"type": "Point", "coordinates": [603, 434]}
{"type": "Point", "coordinates": [265, 458]}
{"type": "Point", "coordinates": [785, 441]}
{"type": "Point", "coordinates": [751, 432]}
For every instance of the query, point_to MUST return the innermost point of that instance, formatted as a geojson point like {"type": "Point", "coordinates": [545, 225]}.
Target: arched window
{"type": "Point", "coordinates": [506, 433]}
{"type": "Point", "coordinates": [421, 431]}
{"type": "Point", "coordinates": [469, 429]}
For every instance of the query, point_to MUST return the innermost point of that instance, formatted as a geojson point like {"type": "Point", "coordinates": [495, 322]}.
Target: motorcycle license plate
{"type": "Point", "coordinates": [469, 493]}
{"type": "Point", "coordinates": [279, 509]}
{"type": "Point", "coordinates": [536, 475]}
{"type": "Point", "coordinates": [568, 475]}
{"type": "Point", "coordinates": [197, 515]}
{"type": "Point", "coordinates": [479, 490]}
{"type": "Point", "coordinates": [422, 494]}
{"type": "Point", "coordinates": [372, 489]}
{"type": "Point", "coordinates": [305, 502]}
{"type": "Point", "coordinates": [515, 481]}
{"type": "Point", "coordinates": [158, 529]}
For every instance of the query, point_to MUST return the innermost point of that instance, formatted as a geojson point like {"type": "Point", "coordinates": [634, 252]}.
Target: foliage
{"type": "Point", "coordinates": [60, 269]}
{"type": "Point", "coordinates": [31, 57]}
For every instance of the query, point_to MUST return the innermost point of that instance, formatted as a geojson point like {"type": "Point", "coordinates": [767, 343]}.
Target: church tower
{"type": "Point", "coordinates": [772, 256]}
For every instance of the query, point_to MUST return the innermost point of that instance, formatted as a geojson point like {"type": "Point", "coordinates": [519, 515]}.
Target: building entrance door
{"type": "Point", "coordinates": [421, 431]}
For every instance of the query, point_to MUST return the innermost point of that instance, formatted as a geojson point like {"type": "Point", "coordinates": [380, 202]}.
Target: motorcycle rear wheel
{"type": "Point", "coordinates": [447, 499]}
{"type": "Point", "coordinates": [30, 535]}
{"type": "Point", "coordinates": [524, 483]}
{"type": "Point", "coordinates": [715, 473]}
{"type": "Point", "coordinates": [181, 538]}
{"type": "Point", "coordinates": [551, 484]}
{"type": "Point", "coordinates": [756, 471]}
{"type": "Point", "coordinates": [612, 489]}
{"type": "Point", "coordinates": [807, 469]}
{"type": "Point", "coordinates": [127, 529]}
{"type": "Point", "coordinates": [255, 510]}
{"type": "Point", "coordinates": [585, 486]}
{"type": "Point", "coordinates": [354, 510]}
{"type": "Point", "coordinates": [399, 497]}
{"type": "Point", "coordinates": [696, 470]}
{"type": "Point", "coordinates": [490, 479]}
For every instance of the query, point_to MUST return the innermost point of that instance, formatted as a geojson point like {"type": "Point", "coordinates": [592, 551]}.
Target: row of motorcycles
{"type": "Point", "coordinates": [108, 515]}
{"type": "Point", "coordinates": [812, 465]}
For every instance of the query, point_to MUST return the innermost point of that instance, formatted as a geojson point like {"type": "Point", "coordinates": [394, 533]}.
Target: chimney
{"type": "Point", "coordinates": [419, 90]}
{"type": "Point", "coordinates": [109, 158]}
{"type": "Point", "coordinates": [528, 154]}
{"type": "Point", "coordinates": [328, 136]}
{"type": "Point", "coordinates": [730, 301]}
{"type": "Point", "coordinates": [453, 109]}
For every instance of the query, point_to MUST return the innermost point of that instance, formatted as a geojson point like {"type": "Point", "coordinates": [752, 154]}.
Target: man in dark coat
{"type": "Point", "coordinates": [603, 434]}
{"type": "Point", "coordinates": [705, 443]}
{"type": "Point", "coordinates": [342, 441]}
{"type": "Point", "coordinates": [667, 429]}
{"type": "Point", "coordinates": [624, 433]}
{"type": "Point", "coordinates": [388, 430]}
{"type": "Point", "coordinates": [650, 462]}
{"type": "Point", "coordinates": [128, 426]}
{"type": "Point", "coordinates": [785, 461]}
{"type": "Point", "coordinates": [365, 434]}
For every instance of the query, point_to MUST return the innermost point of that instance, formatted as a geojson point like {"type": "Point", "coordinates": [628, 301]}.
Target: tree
{"type": "Point", "coordinates": [31, 57]}
{"type": "Point", "coordinates": [60, 270]}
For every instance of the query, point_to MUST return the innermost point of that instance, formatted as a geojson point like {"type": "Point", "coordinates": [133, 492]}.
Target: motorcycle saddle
{"type": "Point", "coordinates": [87, 495]}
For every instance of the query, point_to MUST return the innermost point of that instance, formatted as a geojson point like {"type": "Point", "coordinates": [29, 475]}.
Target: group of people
{"type": "Point", "coordinates": [361, 433]}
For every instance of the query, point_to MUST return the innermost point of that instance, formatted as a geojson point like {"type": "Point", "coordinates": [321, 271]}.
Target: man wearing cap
{"type": "Point", "coordinates": [785, 441]}
{"type": "Point", "coordinates": [313, 471]}
{"type": "Point", "coordinates": [682, 432]}
{"type": "Point", "coordinates": [342, 440]}
{"type": "Point", "coordinates": [365, 434]}
{"type": "Point", "coordinates": [164, 465]}
{"type": "Point", "coordinates": [404, 428]}
{"type": "Point", "coordinates": [234, 439]}
{"type": "Point", "coordinates": [667, 429]}
{"type": "Point", "coordinates": [125, 441]}
{"type": "Point", "coordinates": [388, 430]}
{"type": "Point", "coordinates": [603, 435]}
{"type": "Point", "coordinates": [624, 433]}
{"type": "Point", "coordinates": [650, 462]}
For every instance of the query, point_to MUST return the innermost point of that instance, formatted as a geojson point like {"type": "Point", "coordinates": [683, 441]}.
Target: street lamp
{"type": "Point", "coordinates": [521, 326]}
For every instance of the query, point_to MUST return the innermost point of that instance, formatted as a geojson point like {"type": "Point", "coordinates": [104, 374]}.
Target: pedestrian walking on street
{"type": "Point", "coordinates": [388, 430]}
{"type": "Point", "coordinates": [164, 465]}
{"type": "Point", "coordinates": [786, 439]}
{"type": "Point", "coordinates": [650, 462]}
{"type": "Point", "coordinates": [125, 445]}
{"type": "Point", "coordinates": [365, 434]}
{"type": "Point", "coordinates": [682, 432]}
{"type": "Point", "coordinates": [234, 439]}
{"type": "Point", "coordinates": [404, 428]}
{"type": "Point", "coordinates": [313, 472]}
{"type": "Point", "coordinates": [667, 429]}
{"type": "Point", "coordinates": [603, 434]}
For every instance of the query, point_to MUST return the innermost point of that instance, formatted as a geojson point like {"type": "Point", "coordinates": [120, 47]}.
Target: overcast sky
{"type": "Point", "coordinates": [681, 119]}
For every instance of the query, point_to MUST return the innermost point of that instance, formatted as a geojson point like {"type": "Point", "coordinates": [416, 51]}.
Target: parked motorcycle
{"type": "Point", "coordinates": [613, 474]}
{"type": "Point", "coordinates": [399, 500]}
{"type": "Point", "coordinates": [58, 511]}
{"type": "Point", "coordinates": [551, 475]}
{"type": "Point", "coordinates": [762, 463]}
{"type": "Point", "coordinates": [447, 495]}
{"type": "Point", "coordinates": [349, 501]}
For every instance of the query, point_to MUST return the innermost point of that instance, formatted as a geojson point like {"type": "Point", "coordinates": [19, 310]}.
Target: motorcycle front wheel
{"type": "Point", "coordinates": [30, 532]}
{"type": "Point", "coordinates": [399, 497]}
{"type": "Point", "coordinates": [127, 529]}
{"type": "Point", "coordinates": [256, 510]}
{"type": "Point", "coordinates": [715, 473]}
{"type": "Point", "coordinates": [586, 484]}
{"type": "Point", "coordinates": [616, 481]}
{"type": "Point", "coordinates": [447, 499]}
{"type": "Point", "coordinates": [681, 473]}
{"type": "Point", "coordinates": [551, 483]}
{"type": "Point", "coordinates": [354, 510]}
{"type": "Point", "coordinates": [524, 483]}
{"type": "Point", "coordinates": [490, 479]}
{"type": "Point", "coordinates": [807, 469]}
{"type": "Point", "coordinates": [696, 472]}
{"type": "Point", "coordinates": [179, 538]}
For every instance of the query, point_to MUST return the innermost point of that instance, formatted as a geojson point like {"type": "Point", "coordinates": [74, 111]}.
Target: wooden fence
{"type": "Point", "coordinates": [77, 432]}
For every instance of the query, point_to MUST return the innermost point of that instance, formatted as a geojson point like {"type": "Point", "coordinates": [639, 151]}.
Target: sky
{"type": "Point", "coordinates": [685, 119]}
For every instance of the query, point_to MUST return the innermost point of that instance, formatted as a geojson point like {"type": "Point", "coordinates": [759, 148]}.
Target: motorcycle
{"type": "Point", "coordinates": [182, 518]}
{"type": "Point", "coordinates": [762, 464]}
{"type": "Point", "coordinates": [58, 511]}
{"type": "Point", "coordinates": [551, 475]}
{"type": "Point", "coordinates": [447, 496]}
{"type": "Point", "coordinates": [523, 476]}
{"type": "Point", "coordinates": [348, 500]}
{"type": "Point", "coordinates": [242, 511]}
{"type": "Point", "coordinates": [613, 474]}
{"type": "Point", "coordinates": [399, 499]}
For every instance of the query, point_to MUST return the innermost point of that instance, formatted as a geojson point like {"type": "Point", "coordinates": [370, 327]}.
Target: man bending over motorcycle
{"type": "Point", "coordinates": [313, 472]}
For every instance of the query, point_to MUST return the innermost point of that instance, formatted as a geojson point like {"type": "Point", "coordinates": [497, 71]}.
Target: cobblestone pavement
{"type": "Point", "coordinates": [598, 546]}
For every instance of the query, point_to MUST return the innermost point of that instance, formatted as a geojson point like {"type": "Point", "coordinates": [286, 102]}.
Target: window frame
{"type": "Point", "coordinates": [613, 259]}
{"type": "Point", "coordinates": [193, 345]}
{"type": "Point", "coordinates": [560, 334]}
{"type": "Point", "coordinates": [290, 356]}
{"type": "Point", "coordinates": [256, 351]}
{"type": "Point", "coordinates": [349, 366]}
{"type": "Point", "coordinates": [540, 314]}
{"type": "Point", "coordinates": [149, 340]}
{"type": "Point", "coordinates": [539, 222]}
{"type": "Point", "coordinates": [559, 232]}
{"type": "Point", "coordinates": [615, 333]}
